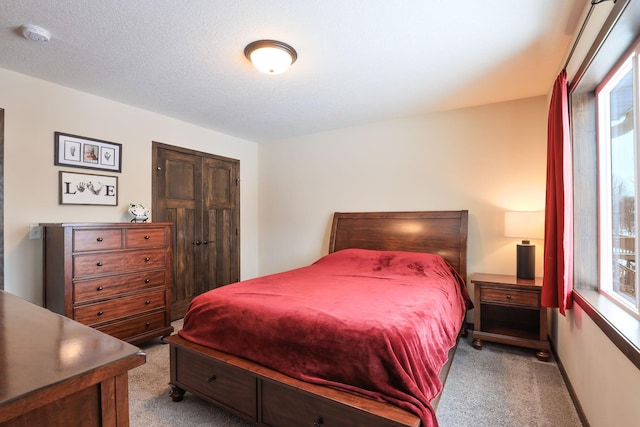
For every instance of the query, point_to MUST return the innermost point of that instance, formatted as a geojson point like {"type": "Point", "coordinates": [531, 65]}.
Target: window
{"type": "Point", "coordinates": [618, 167]}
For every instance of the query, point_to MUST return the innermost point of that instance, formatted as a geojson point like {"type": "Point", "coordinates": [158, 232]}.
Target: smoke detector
{"type": "Point", "coordinates": [35, 33]}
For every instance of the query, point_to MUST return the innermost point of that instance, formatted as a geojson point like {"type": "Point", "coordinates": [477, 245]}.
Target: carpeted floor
{"type": "Point", "coordinates": [498, 386]}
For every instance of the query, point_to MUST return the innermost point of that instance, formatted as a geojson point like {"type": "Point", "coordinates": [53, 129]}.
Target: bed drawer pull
{"type": "Point", "coordinates": [318, 422]}
{"type": "Point", "coordinates": [212, 378]}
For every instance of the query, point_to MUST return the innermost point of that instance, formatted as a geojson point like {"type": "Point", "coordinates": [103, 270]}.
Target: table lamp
{"type": "Point", "coordinates": [525, 225]}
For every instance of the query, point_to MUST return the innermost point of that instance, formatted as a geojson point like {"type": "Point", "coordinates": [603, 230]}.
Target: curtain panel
{"type": "Point", "coordinates": [557, 283]}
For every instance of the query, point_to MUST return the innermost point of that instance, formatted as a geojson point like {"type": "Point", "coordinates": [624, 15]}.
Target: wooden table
{"type": "Point", "coordinates": [57, 372]}
{"type": "Point", "coordinates": [508, 311]}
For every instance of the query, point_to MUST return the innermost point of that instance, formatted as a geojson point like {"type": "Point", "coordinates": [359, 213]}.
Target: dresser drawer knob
{"type": "Point", "coordinates": [508, 296]}
{"type": "Point", "coordinates": [99, 288]}
{"type": "Point", "coordinates": [100, 264]}
{"type": "Point", "coordinates": [147, 280]}
{"type": "Point", "coordinates": [147, 237]}
{"type": "Point", "coordinates": [147, 302]}
{"type": "Point", "coordinates": [99, 239]}
{"type": "Point", "coordinates": [318, 422]}
{"type": "Point", "coordinates": [100, 313]}
{"type": "Point", "coordinates": [147, 259]}
{"type": "Point", "coordinates": [212, 378]}
{"type": "Point", "coordinates": [148, 324]}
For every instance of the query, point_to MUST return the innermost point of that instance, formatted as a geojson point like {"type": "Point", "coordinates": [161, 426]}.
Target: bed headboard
{"type": "Point", "coordinates": [439, 232]}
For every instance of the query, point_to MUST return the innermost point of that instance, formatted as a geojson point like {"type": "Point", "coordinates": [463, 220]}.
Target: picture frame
{"type": "Point", "coordinates": [88, 189]}
{"type": "Point", "coordinates": [89, 153]}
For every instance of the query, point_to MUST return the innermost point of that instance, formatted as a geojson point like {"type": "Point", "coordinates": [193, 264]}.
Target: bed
{"type": "Point", "coordinates": [355, 339]}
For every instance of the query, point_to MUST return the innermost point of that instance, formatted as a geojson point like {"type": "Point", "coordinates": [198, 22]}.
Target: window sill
{"type": "Point", "coordinates": [619, 326]}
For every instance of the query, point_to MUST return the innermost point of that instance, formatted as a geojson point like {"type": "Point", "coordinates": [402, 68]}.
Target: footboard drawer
{"type": "Point", "coordinates": [285, 406]}
{"type": "Point", "coordinates": [217, 381]}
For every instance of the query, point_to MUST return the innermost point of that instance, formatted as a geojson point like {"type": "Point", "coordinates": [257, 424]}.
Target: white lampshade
{"type": "Point", "coordinates": [524, 224]}
{"type": "Point", "coordinates": [270, 56]}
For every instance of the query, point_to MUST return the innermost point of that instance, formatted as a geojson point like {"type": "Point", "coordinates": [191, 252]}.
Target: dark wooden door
{"type": "Point", "coordinates": [199, 194]}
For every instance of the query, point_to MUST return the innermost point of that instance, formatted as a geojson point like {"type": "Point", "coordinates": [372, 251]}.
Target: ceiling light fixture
{"type": "Point", "coordinates": [270, 56]}
{"type": "Point", "coordinates": [35, 33]}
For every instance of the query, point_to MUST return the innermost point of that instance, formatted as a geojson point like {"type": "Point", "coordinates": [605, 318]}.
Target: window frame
{"type": "Point", "coordinates": [616, 32]}
{"type": "Point", "coordinates": [629, 62]}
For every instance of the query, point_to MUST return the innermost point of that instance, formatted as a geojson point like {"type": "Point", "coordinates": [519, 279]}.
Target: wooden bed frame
{"type": "Point", "coordinates": [269, 398]}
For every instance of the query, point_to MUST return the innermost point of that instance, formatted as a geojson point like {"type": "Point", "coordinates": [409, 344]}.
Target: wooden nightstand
{"type": "Point", "coordinates": [508, 311]}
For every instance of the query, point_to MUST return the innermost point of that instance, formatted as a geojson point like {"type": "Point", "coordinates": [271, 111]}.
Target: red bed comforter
{"type": "Point", "coordinates": [377, 323]}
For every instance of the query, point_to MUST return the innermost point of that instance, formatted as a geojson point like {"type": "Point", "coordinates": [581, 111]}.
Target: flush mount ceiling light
{"type": "Point", "coordinates": [270, 56]}
{"type": "Point", "coordinates": [35, 33]}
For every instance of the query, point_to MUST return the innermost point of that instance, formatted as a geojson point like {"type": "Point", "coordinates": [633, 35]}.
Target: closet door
{"type": "Point", "coordinates": [199, 194]}
{"type": "Point", "coordinates": [220, 222]}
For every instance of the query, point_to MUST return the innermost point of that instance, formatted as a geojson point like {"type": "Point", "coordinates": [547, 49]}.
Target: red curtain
{"type": "Point", "coordinates": [558, 233]}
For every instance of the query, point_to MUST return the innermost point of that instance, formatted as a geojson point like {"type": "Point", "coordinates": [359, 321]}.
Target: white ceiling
{"type": "Point", "coordinates": [358, 60]}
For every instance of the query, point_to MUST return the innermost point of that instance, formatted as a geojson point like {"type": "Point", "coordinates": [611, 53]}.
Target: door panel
{"type": "Point", "coordinates": [220, 221]}
{"type": "Point", "coordinates": [198, 192]}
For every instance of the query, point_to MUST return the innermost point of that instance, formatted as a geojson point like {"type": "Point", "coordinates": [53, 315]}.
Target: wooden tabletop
{"type": "Point", "coordinates": [40, 349]}
{"type": "Point", "coordinates": [506, 279]}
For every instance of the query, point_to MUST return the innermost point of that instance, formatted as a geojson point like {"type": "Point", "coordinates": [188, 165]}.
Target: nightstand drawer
{"type": "Point", "coordinates": [510, 297]}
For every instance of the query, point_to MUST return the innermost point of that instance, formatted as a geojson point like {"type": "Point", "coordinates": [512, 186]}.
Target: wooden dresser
{"type": "Point", "coordinates": [508, 311]}
{"type": "Point", "coordinates": [114, 277]}
{"type": "Point", "coordinates": [57, 372]}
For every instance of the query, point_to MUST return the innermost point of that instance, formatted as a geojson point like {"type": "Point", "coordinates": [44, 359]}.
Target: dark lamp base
{"type": "Point", "coordinates": [526, 261]}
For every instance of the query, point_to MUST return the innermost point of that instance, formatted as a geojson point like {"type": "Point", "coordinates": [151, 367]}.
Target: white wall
{"type": "Point", "coordinates": [485, 159]}
{"type": "Point", "coordinates": [35, 109]}
{"type": "Point", "coordinates": [604, 379]}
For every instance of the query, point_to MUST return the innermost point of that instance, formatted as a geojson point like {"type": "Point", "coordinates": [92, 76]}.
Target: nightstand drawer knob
{"type": "Point", "coordinates": [100, 239]}
{"type": "Point", "coordinates": [99, 288]}
{"type": "Point", "coordinates": [147, 280]}
{"type": "Point", "coordinates": [100, 313]}
{"type": "Point", "coordinates": [147, 259]}
{"type": "Point", "coordinates": [508, 296]}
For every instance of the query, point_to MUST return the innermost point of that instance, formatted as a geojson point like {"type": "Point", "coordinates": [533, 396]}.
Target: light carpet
{"type": "Point", "coordinates": [497, 386]}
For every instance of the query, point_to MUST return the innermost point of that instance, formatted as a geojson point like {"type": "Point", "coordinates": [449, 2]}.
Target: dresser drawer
{"type": "Point", "coordinates": [510, 297]}
{"type": "Point", "coordinates": [110, 286]}
{"type": "Point", "coordinates": [284, 406]}
{"type": "Point", "coordinates": [119, 307]}
{"type": "Point", "coordinates": [115, 262]}
{"type": "Point", "coordinates": [146, 237]}
{"type": "Point", "coordinates": [96, 239]}
{"type": "Point", "coordinates": [136, 326]}
{"type": "Point", "coordinates": [218, 381]}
